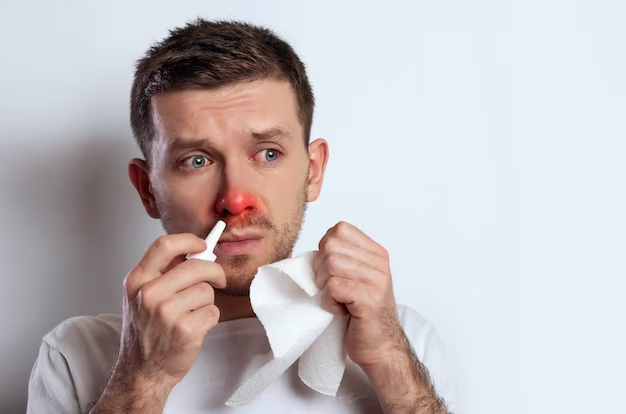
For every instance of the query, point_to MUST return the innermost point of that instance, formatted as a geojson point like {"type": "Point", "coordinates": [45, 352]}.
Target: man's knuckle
{"type": "Point", "coordinates": [146, 298]}
{"type": "Point", "coordinates": [214, 314]}
{"type": "Point", "coordinates": [183, 328]}
{"type": "Point", "coordinates": [205, 289]}
{"type": "Point", "coordinates": [164, 310]}
{"type": "Point", "coordinates": [332, 244]}
{"type": "Point", "coordinates": [334, 262]}
{"type": "Point", "coordinates": [323, 244]}
{"type": "Point", "coordinates": [333, 283]}
{"type": "Point", "coordinates": [341, 228]}
{"type": "Point", "coordinates": [211, 319]}
{"type": "Point", "coordinates": [163, 243]}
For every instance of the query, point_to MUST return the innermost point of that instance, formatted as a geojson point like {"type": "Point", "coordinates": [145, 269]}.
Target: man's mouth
{"type": "Point", "coordinates": [233, 245]}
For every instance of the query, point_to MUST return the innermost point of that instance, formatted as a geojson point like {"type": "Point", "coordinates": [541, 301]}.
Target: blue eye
{"type": "Point", "coordinates": [268, 155]}
{"type": "Point", "coordinates": [194, 162]}
{"type": "Point", "coordinates": [198, 161]}
{"type": "Point", "coordinates": [271, 155]}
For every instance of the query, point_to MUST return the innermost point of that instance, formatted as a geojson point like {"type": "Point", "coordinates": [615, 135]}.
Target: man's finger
{"type": "Point", "coordinates": [347, 231]}
{"type": "Point", "coordinates": [336, 264]}
{"type": "Point", "coordinates": [159, 257]}
{"type": "Point", "coordinates": [175, 262]}
{"type": "Point", "coordinates": [204, 318]}
{"type": "Point", "coordinates": [332, 245]}
{"type": "Point", "coordinates": [359, 299]}
{"type": "Point", "coordinates": [330, 304]}
{"type": "Point", "coordinates": [187, 274]}
{"type": "Point", "coordinates": [193, 298]}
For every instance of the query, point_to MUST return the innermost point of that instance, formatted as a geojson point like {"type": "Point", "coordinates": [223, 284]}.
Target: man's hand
{"type": "Point", "coordinates": [354, 273]}
{"type": "Point", "coordinates": [168, 310]}
{"type": "Point", "coordinates": [168, 307]}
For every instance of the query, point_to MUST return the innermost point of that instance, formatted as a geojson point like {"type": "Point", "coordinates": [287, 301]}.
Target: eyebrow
{"type": "Point", "coordinates": [272, 134]}
{"type": "Point", "coordinates": [183, 144]}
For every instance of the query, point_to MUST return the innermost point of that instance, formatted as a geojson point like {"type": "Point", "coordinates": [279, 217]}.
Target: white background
{"type": "Point", "coordinates": [482, 143]}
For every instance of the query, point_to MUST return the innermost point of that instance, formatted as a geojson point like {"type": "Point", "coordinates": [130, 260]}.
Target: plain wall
{"type": "Point", "coordinates": [482, 143]}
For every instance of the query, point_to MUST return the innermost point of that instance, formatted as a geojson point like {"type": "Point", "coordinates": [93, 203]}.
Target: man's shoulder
{"type": "Point", "coordinates": [420, 331]}
{"type": "Point", "coordinates": [73, 363]}
{"type": "Point", "coordinates": [411, 319]}
{"type": "Point", "coordinates": [102, 331]}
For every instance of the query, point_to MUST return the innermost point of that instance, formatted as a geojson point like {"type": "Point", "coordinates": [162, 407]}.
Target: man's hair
{"type": "Point", "coordinates": [209, 55]}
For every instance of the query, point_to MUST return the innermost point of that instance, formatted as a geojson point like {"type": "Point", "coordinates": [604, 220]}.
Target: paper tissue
{"type": "Point", "coordinates": [286, 300]}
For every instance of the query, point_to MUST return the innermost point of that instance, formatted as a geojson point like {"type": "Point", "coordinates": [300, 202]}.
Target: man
{"type": "Point", "coordinates": [222, 112]}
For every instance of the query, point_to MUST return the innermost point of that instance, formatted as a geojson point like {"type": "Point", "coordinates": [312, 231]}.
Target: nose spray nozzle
{"type": "Point", "coordinates": [211, 242]}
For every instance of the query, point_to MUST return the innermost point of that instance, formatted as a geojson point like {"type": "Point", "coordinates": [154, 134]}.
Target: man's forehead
{"type": "Point", "coordinates": [252, 107]}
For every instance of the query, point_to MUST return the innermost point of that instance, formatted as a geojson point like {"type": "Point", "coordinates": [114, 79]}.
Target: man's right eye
{"type": "Point", "coordinates": [196, 161]}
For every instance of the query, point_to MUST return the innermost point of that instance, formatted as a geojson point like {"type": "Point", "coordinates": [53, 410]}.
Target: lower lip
{"type": "Point", "coordinates": [234, 248]}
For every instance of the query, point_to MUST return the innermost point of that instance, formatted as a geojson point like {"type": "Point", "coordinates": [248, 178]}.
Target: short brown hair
{"type": "Point", "coordinates": [209, 55]}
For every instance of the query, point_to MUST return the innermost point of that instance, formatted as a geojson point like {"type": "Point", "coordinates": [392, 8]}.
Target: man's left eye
{"type": "Point", "coordinates": [268, 155]}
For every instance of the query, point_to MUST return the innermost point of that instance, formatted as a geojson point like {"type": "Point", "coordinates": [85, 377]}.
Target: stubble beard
{"type": "Point", "coordinates": [240, 270]}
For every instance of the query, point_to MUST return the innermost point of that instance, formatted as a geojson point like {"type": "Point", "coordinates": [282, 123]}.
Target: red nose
{"type": "Point", "coordinates": [235, 203]}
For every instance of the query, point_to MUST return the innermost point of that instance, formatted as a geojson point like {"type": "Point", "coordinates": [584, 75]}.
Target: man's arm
{"type": "Point", "coordinates": [129, 391]}
{"type": "Point", "coordinates": [403, 384]}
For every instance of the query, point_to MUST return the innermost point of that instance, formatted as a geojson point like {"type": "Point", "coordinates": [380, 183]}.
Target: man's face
{"type": "Point", "coordinates": [235, 154]}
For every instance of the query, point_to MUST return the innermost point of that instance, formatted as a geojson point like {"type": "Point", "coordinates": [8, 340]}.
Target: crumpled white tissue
{"type": "Point", "coordinates": [286, 300]}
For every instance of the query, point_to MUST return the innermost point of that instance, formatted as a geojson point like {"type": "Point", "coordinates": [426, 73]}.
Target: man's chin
{"type": "Point", "coordinates": [240, 271]}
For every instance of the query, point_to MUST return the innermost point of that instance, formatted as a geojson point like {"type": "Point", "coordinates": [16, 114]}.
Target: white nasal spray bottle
{"type": "Point", "coordinates": [211, 242]}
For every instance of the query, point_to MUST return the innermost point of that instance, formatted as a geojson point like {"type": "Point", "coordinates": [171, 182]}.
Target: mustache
{"type": "Point", "coordinates": [252, 220]}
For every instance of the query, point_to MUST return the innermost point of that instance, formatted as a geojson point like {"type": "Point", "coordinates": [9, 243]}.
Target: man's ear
{"type": "Point", "coordinates": [139, 176]}
{"type": "Point", "coordinates": [318, 155]}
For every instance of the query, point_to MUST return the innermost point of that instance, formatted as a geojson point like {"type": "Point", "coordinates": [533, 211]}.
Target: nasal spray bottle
{"type": "Point", "coordinates": [211, 242]}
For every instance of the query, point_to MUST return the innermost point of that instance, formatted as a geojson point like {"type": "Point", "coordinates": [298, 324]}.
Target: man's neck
{"type": "Point", "coordinates": [233, 307]}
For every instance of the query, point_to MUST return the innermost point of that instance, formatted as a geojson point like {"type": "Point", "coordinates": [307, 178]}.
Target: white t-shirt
{"type": "Point", "coordinates": [76, 357]}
